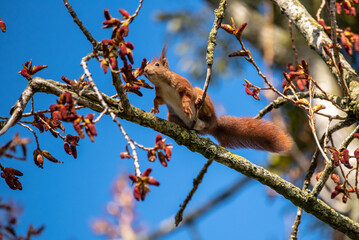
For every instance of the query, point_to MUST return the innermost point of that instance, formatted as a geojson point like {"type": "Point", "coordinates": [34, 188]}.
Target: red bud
{"type": "Point", "coordinates": [335, 178]}
{"type": "Point", "coordinates": [153, 181]}
{"type": "Point", "coordinates": [168, 151]}
{"type": "Point", "coordinates": [162, 158]}
{"type": "Point", "coordinates": [124, 13]}
{"type": "Point", "coordinates": [132, 177]}
{"type": "Point", "coordinates": [49, 157]}
{"type": "Point", "coordinates": [137, 193]}
{"type": "Point", "coordinates": [147, 172]}
{"type": "Point", "coordinates": [2, 26]}
{"type": "Point", "coordinates": [107, 14]}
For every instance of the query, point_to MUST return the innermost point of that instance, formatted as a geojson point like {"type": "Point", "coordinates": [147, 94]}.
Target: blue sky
{"type": "Point", "coordinates": [68, 197]}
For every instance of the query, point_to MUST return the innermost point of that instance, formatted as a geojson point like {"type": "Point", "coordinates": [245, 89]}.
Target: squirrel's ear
{"type": "Point", "coordinates": [164, 62]}
{"type": "Point", "coordinates": [163, 58]}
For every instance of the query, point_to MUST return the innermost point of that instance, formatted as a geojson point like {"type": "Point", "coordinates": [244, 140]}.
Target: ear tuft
{"type": "Point", "coordinates": [164, 51]}
{"type": "Point", "coordinates": [163, 58]}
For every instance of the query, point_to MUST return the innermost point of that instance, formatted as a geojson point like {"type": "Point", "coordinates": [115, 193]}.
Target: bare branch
{"type": "Point", "coordinates": [208, 149]}
{"type": "Point", "coordinates": [196, 182]}
{"type": "Point", "coordinates": [329, 167]}
{"type": "Point", "coordinates": [316, 37]}
{"type": "Point", "coordinates": [32, 131]}
{"type": "Point", "coordinates": [170, 227]}
{"type": "Point", "coordinates": [108, 110]}
{"type": "Point", "coordinates": [18, 108]}
{"type": "Point", "coordinates": [80, 24]}
{"type": "Point", "coordinates": [137, 11]}
{"type": "Point", "coordinates": [219, 15]}
{"type": "Point", "coordinates": [294, 48]}
{"type": "Point", "coordinates": [336, 62]}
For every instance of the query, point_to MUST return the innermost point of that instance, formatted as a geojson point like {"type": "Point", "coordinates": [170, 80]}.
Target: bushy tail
{"type": "Point", "coordinates": [245, 132]}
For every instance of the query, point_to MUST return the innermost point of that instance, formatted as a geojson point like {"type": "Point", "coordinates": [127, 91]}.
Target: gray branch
{"type": "Point", "coordinates": [18, 108]}
{"type": "Point", "coordinates": [208, 149]}
{"type": "Point", "coordinates": [315, 36]}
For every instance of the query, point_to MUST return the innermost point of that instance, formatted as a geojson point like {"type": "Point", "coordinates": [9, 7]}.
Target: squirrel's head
{"type": "Point", "coordinates": [157, 69]}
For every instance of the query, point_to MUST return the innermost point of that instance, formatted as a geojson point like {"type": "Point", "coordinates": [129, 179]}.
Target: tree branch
{"type": "Point", "coordinates": [209, 149]}
{"type": "Point", "coordinates": [316, 37]}
{"type": "Point", "coordinates": [196, 182]}
{"type": "Point", "coordinates": [18, 108]}
{"type": "Point", "coordinates": [212, 38]}
{"type": "Point", "coordinates": [80, 24]}
{"type": "Point", "coordinates": [170, 227]}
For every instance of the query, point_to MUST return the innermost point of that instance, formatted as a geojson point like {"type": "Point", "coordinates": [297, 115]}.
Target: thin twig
{"type": "Point", "coordinates": [312, 121]}
{"type": "Point", "coordinates": [333, 30]}
{"type": "Point", "coordinates": [333, 24]}
{"type": "Point", "coordinates": [80, 24]}
{"type": "Point", "coordinates": [137, 11]}
{"type": "Point", "coordinates": [329, 167]}
{"type": "Point", "coordinates": [331, 116]}
{"type": "Point", "coordinates": [100, 116]}
{"type": "Point", "coordinates": [107, 109]}
{"type": "Point", "coordinates": [293, 234]}
{"type": "Point", "coordinates": [33, 132]}
{"type": "Point", "coordinates": [26, 122]}
{"type": "Point", "coordinates": [218, 17]}
{"type": "Point", "coordinates": [2, 167]}
{"type": "Point", "coordinates": [328, 98]}
{"type": "Point", "coordinates": [141, 146]}
{"type": "Point", "coordinates": [169, 227]}
{"type": "Point", "coordinates": [196, 182]}
{"type": "Point", "coordinates": [30, 114]}
{"type": "Point", "coordinates": [276, 103]}
{"type": "Point", "coordinates": [250, 59]}
{"type": "Point", "coordinates": [312, 127]}
{"type": "Point", "coordinates": [325, 141]}
{"type": "Point", "coordinates": [52, 129]}
{"type": "Point", "coordinates": [346, 180]}
{"type": "Point", "coordinates": [349, 138]}
{"type": "Point", "coordinates": [290, 25]}
{"type": "Point", "coordinates": [320, 9]}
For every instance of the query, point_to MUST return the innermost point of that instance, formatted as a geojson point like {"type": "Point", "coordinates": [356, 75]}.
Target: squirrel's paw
{"type": "Point", "coordinates": [198, 100]}
{"type": "Point", "coordinates": [188, 111]}
{"type": "Point", "coordinates": [155, 110]}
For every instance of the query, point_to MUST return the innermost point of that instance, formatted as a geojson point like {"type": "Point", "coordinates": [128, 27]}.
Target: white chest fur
{"type": "Point", "coordinates": [173, 99]}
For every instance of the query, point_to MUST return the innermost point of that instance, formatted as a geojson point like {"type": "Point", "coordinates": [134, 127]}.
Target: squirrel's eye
{"type": "Point", "coordinates": [157, 64]}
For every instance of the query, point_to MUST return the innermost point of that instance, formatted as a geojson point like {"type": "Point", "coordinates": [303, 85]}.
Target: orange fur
{"type": "Point", "coordinates": [245, 132]}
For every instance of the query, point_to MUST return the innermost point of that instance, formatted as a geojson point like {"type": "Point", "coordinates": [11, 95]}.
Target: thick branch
{"type": "Point", "coordinates": [315, 37]}
{"type": "Point", "coordinates": [18, 108]}
{"type": "Point", "coordinates": [209, 149]}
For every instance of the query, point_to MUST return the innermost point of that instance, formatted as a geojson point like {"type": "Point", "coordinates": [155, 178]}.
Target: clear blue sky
{"type": "Point", "coordinates": [68, 197]}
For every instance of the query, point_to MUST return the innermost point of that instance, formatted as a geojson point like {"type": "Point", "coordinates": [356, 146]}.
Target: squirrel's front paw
{"type": "Point", "coordinates": [155, 110]}
{"type": "Point", "coordinates": [198, 100]}
{"type": "Point", "coordinates": [188, 111]}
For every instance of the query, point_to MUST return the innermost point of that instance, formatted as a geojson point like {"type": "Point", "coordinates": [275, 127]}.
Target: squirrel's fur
{"type": "Point", "coordinates": [233, 132]}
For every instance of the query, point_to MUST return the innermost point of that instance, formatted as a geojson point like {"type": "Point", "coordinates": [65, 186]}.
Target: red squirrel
{"type": "Point", "coordinates": [233, 132]}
